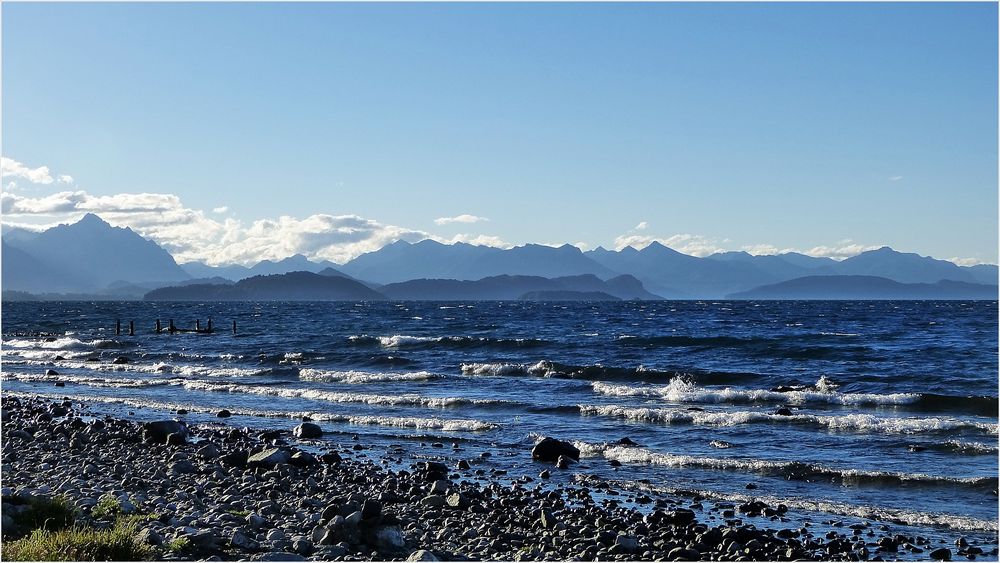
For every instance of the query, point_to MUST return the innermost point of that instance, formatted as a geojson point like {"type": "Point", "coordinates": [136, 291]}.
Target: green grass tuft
{"type": "Point", "coordinates": [107, 508]}
{"type": "Point", "coordinates": [49, 513]}
{"type": "Point", "coordinates": [81, 544]}
{"type": "Point", "coordinates": [178, 545]}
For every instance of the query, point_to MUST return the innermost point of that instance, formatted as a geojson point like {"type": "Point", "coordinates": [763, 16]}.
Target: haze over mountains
{"type": "Point", "coordinates": [95, 259]}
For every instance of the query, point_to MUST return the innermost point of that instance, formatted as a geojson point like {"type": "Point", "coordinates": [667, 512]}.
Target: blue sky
{"type": "Point", "coordinates": [331, 129]}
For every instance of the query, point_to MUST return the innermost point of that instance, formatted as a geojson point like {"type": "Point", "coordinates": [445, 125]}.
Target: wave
{"type": "Point", "coordinates": [546, 368]}
{"type": "Point", "coordinates": [154, 368]}
{"type": "Point", "coordinates": [338, 397]}
{"type": "Point", "coordinates": [430, 423]}
{"type": "Point", "coordinates": [50, 344]}
{"type": "Point", "coordinates": [796, 470]}
{"type": "Point", "coordinates": [85, 380]}
{"type": "Point", "coordinates": [308, 374]}
{"type": "Point", "coordinates": [850, 422]}
{"type": "Point", "coordinates": [682, 390]}
{"type": "Point", "coordinates": [406, 341]}
{"type": "Point", "coordinates": [865, 512]}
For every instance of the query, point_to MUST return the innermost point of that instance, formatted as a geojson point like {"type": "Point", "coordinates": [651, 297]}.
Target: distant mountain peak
{"type": "Point", "coordinates": [92, 219]}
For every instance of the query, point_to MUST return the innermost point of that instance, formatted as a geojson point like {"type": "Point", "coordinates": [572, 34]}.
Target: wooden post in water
{"type": "Point", "coordinates": [197, 325]}
{"type": "Point", "coordinates": [209, 325]}
{"type": "Point", "coordinates": [234, 327]}
{"type": "Point", "coordinates": [118, 326]}
{"type": "Point", "coordinates": [131, 328]}
{"type": "Point", "coordinates": [172, 329]}
{"type": "Point", "coordinates": [158, 328]}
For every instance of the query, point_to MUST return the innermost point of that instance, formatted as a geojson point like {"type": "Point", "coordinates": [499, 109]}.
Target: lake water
{"type": "Point", "coordinates": [891, 406]}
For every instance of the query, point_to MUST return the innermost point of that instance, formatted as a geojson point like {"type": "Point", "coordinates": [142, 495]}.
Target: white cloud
{"type": "Point", "coordinates": [12, 168]}
{"type": "Point", "coordinates": [641, 226]}
{"type": "Point", "coordinates": [966, 261]}
{"type": "Point", "coordinates": [464, 218]}
{"type": "Point", "coordinates": [191, 234]}
{"type": "Point", "coordinates": [222, 209]}
{"type": "Point", "coordinates": [480, 240]}
{"type": "Point", "coordinates": [65, 179]}
{"type": "Point", "coordinates": [695, 245]}
{"type": "Point", "coordinates": [895, 178]}
{"type": "Point", "coordinates": [843, 249]}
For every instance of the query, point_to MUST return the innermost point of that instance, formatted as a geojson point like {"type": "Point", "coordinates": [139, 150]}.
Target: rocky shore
{"type": "Point", "coordinates": [218, 492]}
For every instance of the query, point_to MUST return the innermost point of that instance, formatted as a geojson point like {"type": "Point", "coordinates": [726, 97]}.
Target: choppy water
{"type": "Point", "coordinates": [696, 384]}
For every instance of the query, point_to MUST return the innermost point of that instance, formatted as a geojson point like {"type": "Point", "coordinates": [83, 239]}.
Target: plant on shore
{"type": "Point", "coordinates": [79, 543]}
{"type": "Point", "coordinates": [49, 513]}
{"type": "Point", "coordinates": [178, 545]}
{"type": "Point", "coordinates": [106, 508]}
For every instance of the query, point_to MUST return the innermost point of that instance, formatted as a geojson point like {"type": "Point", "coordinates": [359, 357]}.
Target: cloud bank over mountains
{"type": "Point", "coordinates": [216, 239]}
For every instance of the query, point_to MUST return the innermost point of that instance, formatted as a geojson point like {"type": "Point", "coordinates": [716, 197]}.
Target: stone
{"type": "Point", "coordinates": [433, 501]}
{"type": "Point", "coordinates": [278, 556]}
{"type": "Point", "coordinates": [422, 555]}
{"type": "Point", "coordinates": [255, 521]}
{"type": "Point", "coordinates": [456, 500]}
{"type": "Point", "coordinates": [549, 449]}
{"type": "Point", "coordinates": [51, 372]}
{"type": "Point", "coordinates": [307, 430]}
{"type": "Point", "coordinates": [237, 458]}
{"type": "Point", "coordinates": [176, 439]}
{"type": "Point", "coordinates": [120, 360]}
{"type": "Point", "coordinates": [547, 520]}
{"type": "Point", "coordinates": [224, 414]}
{"type": "Point", "coordinates": [439, 487]}
{"type": "Point", "coordinates": [275, 535]}
{"type": "Point", "coordinates": [302, 459]}
{"type": "Point", "coordinates": [683, 554]}
{"type": "Point", "coordinates": [182, 467]}
{"type": "Point", "coordinates": [159, 431]}
{"type": "Point", "coordinates": [941, 554]}
{"type": "Point", "coordinates": [208, 451]}
{"type": "Point", "coordinates": [371, 509]}
{"type": "Point", "coordinates": [783, 411]}
{"type": "Point", "coordinates": [563, 462]}
{"type": "Point", "coordinates": [302, 546]}
{"type": "Point", "coordinates": [389, 539]}
{"type": "Point", "coordinates": [21, 435]}
{"type": "Point", "coordinates": [269, 457]}
{"type": "Point", "coordinates": [240, 540]}
{"type": "Point", "coordinates": [627, 544]}
{"type": "Point", "coordinates": [149, 536]}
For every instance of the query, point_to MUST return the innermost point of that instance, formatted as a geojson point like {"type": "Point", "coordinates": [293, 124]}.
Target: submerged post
{"type": "Point", "coordinates": [197, 325]}
{"type": "Point", "coordinates": [158, 327]}
{"type": "Point", "coordinates": [131, 328]}
{"type": "Point", "coordinates": [118, 326]}
{"type": "Point", "coordinates": [172, 328]}
{"type": "Point", "coordinates": [234, 327]}
{"type": "Point", "coordinates": [210, 324]}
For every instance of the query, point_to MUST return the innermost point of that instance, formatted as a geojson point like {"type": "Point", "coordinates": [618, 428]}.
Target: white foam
{"type": "Point", "coordinates": [851, 422]}
{"type": "Point", "coordinates": [308, 374]}
{"type": "Point", "coordinates": [339, 397]}
{"type": "Point", "coordinates": [430, 423]}
{"type": "Point", "coordinates": [541, 368]}
{"type": "Point", "coordinates": [680, 390]}
{"type": "Point", "coordinates": [637, 455]}
{"type": "Point", "coordinates": [58, 343]}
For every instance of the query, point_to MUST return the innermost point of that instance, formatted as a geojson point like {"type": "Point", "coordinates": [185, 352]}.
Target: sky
{"type": "Point", "coordinates": [235, 132]}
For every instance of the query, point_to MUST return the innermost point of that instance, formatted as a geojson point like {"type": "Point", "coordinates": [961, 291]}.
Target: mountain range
{"type": "Point", "coordinates": [93, 258]}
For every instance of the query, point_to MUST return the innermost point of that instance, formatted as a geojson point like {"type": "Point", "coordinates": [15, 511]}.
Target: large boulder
{"type": "Point", "coordinates": [307, 430]}
{"type": "Point", "coordinates": [159, 431]}
{"type": "Point", "coordinates": [270, 457]}
{"type": "Point", "coordinates": [549, 449]}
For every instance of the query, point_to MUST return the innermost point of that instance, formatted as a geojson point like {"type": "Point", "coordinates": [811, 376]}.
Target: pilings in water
{"type": "Point", "coordinates": [172, 328]}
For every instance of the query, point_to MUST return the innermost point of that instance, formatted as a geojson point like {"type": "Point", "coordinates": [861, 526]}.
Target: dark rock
{"type": "Point", "coordinates": [159, 431]}
{"type": "Point", "coordinates": [182, 411]}
{"type": "Point", "coordinates": [422, 555]}
{"type": "Point", "coordinates": [683, 554]}
{"type": "Point", "coordinates": [783, 411]}
{"type": "Point", "coordinates": [224, 414]}
{"type": "Point", "coordinates": [549, 449]}
{"type": "Point", "coordinates": [941, 554]}
{"type": "Point", "coordinates": [120, 360]}
{"type": "Point", "coordinates": [330, 458]}
{"type": "Point", "coordinates": [236, 458]}
{"type": "Point", "coordinates": [626, 441]}
{"type": "Point", "coordinates": [51, 372]}
{"type": "Point", "coordinates": [176, 439]}
{"type": "Point", "coordinates": [307, 430]}
{"type": "Point", "coordinates": [371, 509]}
{"type": "Point", "coordinates": [302, 459]}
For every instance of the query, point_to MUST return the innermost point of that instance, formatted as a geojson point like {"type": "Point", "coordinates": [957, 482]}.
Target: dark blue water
{"type": "Point", "coordinates": [892, 406]}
